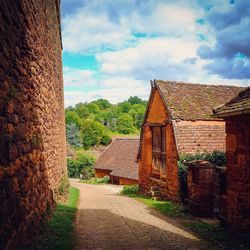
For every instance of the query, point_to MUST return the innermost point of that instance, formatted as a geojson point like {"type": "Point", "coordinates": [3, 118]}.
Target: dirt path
{"type": "Point", "coordinates": [107, 220]}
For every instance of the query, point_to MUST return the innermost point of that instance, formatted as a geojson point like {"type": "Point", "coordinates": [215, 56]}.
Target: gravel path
{"type": "Point", "coordinates": [107, 220]}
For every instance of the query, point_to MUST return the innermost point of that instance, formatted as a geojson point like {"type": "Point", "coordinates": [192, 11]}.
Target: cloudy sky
{"type": "Point", "coordinates": [113, 48]}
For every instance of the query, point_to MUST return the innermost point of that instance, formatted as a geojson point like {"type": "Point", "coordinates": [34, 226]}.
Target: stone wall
{"type": "Point", "coordinates": [100, 173]}
{"type": "Point", "coordinates": [238, 171]}
{"type": "Point", "coordinates": [200, 188]}
{"type": "Point", "coordinates": [32, 130]}
{"type": "Point", "coordinates": [168, 183]}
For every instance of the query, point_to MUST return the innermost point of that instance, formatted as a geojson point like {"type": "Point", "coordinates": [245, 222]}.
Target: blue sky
{"type": "Point", "coordinates": [113, 48]}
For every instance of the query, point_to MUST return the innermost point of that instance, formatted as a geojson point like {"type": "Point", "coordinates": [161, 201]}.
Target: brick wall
{"type": "Point", "coordinates": [200, 136]}
{"type": "Point", "coordinates": [238, 171]}
{"type": "Point", "coordinates": [32, 131]}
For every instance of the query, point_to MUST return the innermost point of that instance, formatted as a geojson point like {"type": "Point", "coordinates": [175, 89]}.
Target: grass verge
{"type": "Point", "coordinates": [97, 181]}
{"type": "Point", "coordinates": [165, 207]}
{"type": "Point", "coordinates": [219, 235]}
{"type": "Point", "coordinates": [58, 233]}
{"type": "Point", "coordinates": [209, 231]}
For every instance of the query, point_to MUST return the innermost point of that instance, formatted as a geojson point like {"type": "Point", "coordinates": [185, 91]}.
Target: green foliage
{"type": "Point", "coordinates": [217, 158]}
{"type": "Point", "coordinates": [92, 133]}
{"type": "Point", "coordinates": [106, 139]}
{"type": "Point", "coordinates": [105, 179]}
{"type": "Point", "coordinates": [58, 233]}
{"type": "Point", "coordinates": [102, 104]}
{"type": "Point", "coordinates": [124, 107]}
{"type": "Point", "coordinates": [82, 110]}
{"type": "Point", "coordinates": [132, 189]}
{"type": "Point", "coordinates": [98, 119]}
{"type": "Point", "coordinates": [125, 124]}
{"type": "Point", "coordinates": [72, 117]}
{"type": "Point", "coordinates": [64, 186]}
{"type": "Point", "coordinates": [135, 100]}
{"type": "Point", "coordinates": [165, 207]}
{"type": "Point", "coordinates": [82, 165]}
{"type": "Point", "coordinates": [73, 135]}
{"type": "Point", "coordinates": [93, 108]}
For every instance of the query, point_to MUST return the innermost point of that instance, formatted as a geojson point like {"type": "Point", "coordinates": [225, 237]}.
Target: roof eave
{"type": "Point", "coordinates": [231, 113]}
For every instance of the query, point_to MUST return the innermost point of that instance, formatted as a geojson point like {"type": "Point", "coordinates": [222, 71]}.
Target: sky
{"type": "Point", "coordinates": [113, 48]}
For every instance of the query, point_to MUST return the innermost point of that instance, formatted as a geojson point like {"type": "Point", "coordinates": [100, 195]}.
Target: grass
{"type": "Point", "coordinates": [220, 235]}
{"type": "Point", "coordinates": [58, 233]}
{"type": "Point", "coordinates": [97, 181]}
{"type": "Point", "coordinates": [165, 207]}
{"type": "Point", "coordinates": [210, 231]}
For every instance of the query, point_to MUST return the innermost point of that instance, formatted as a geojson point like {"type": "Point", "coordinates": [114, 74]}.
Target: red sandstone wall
{"type": "Point", "coordinates": [238, 171]}
{"type": "Point", "coordinates": [125, 181]}
{"type": "Point", "coordinates": [170, 183]}
{"type": "Point", "coordinates": [200, 136]}
{"type": "Point", "coordinates": [32, 134]}
{"type": "Point", "coordinates": [100, 173]}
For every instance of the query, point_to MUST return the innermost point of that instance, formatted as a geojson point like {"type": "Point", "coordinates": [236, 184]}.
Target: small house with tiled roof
{"type": "Point", "coordinates": [178, 121]}
{"type": "Point", "coordinates": [119, 162]}
{"type": "Point", "coordinates": [236, 114]}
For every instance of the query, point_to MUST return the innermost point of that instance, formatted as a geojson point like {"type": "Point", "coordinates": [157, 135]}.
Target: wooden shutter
{"type": "Point", "coordinates": [156, 135]}
{"type": "Point", "coordinates": [163, 150]}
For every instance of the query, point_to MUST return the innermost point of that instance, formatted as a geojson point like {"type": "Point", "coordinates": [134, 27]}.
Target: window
{"type": "Point", "coordinates": [159, 148]}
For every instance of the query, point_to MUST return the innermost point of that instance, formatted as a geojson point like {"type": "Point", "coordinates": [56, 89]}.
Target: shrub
{"type": "Point", "coordinates": [82, 165]}
{"type": "Point", "coordinates": [217, 158]}
{"type": "Point", "coordinates": [105, 179]}
{"type": "Point", "coordinates": [133, 189]}
{"type": "Point", "coordinates": [106, 139]}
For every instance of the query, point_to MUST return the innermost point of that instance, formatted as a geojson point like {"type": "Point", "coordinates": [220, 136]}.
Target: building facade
{"type": "Point", "coordinates": [178, 121]}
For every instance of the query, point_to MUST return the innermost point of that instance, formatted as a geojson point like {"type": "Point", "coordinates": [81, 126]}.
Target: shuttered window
{"type": "Point", "coordinates": [159, 148]}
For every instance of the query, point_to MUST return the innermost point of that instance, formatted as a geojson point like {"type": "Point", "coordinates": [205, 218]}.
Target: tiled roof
{"type": "Point", "coordinates": [120, 157]}
{"type": "Point", "coordinates": [237, 106]}
{"type": "Point", "coordinates": [189, 101]}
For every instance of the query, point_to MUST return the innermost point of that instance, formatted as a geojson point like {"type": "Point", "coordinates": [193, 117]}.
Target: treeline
{"type": "Point", "coordinates": [90, 124]}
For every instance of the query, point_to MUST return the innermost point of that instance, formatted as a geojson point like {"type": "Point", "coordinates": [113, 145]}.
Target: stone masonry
{"type": "Point", "coordinates": [238, 171]}
{"type": "Point", "coordinates": [32, 129]}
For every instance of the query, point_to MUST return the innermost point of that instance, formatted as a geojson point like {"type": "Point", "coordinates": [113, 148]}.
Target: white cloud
{"type": "Point", "coordinates": [77, 77]}
{"type": "Point", "coordinates": [101, 25]}
{"type": "Point", "coordinates": [135, 42]}
{"type": "Point", "coordinates": [115, 89]}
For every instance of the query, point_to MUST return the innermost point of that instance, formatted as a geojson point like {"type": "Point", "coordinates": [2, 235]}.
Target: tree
{"type": "Point", "coordinates": [137, 111]}
{"type": "Point", "coordinates": [72, 117]}
{"type": "Point", "coordinates": [92, 133]}
{"type": "Point", "coordinates": [125, 124]}
{"type": "Point", "coordinates": [82, 110]}
{"type": "Point", "coordinates": [135, 100]}
{"type": "Point", "coordinates": [124, 107]}
{"type": "Point", "coordinates": [73, 135]}
{"type": "Point", "coordinates": [93, 108]}
{"type": "Point", "coordinates": [102, 104]}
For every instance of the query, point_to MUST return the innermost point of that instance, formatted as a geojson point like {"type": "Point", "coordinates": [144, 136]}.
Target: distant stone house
{"type": "Point", "coordinates": [178, 121]}
{"type": "Point", "coordinates": [118, 162]}
{"type": "Point", "coordinates": [236, 114]}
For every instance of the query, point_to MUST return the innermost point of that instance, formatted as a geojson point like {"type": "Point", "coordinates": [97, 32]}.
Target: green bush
{"type": "Point", "coordinates": [82, 165]}
{"type": "Point", "coordinates": [133, 189]}
{"type": "Point", "coordinates": [106, 139]}
{"type": "Point", "coordinates": [217, 158]}
{"type": "Point", "coordinates": [105, 179]}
